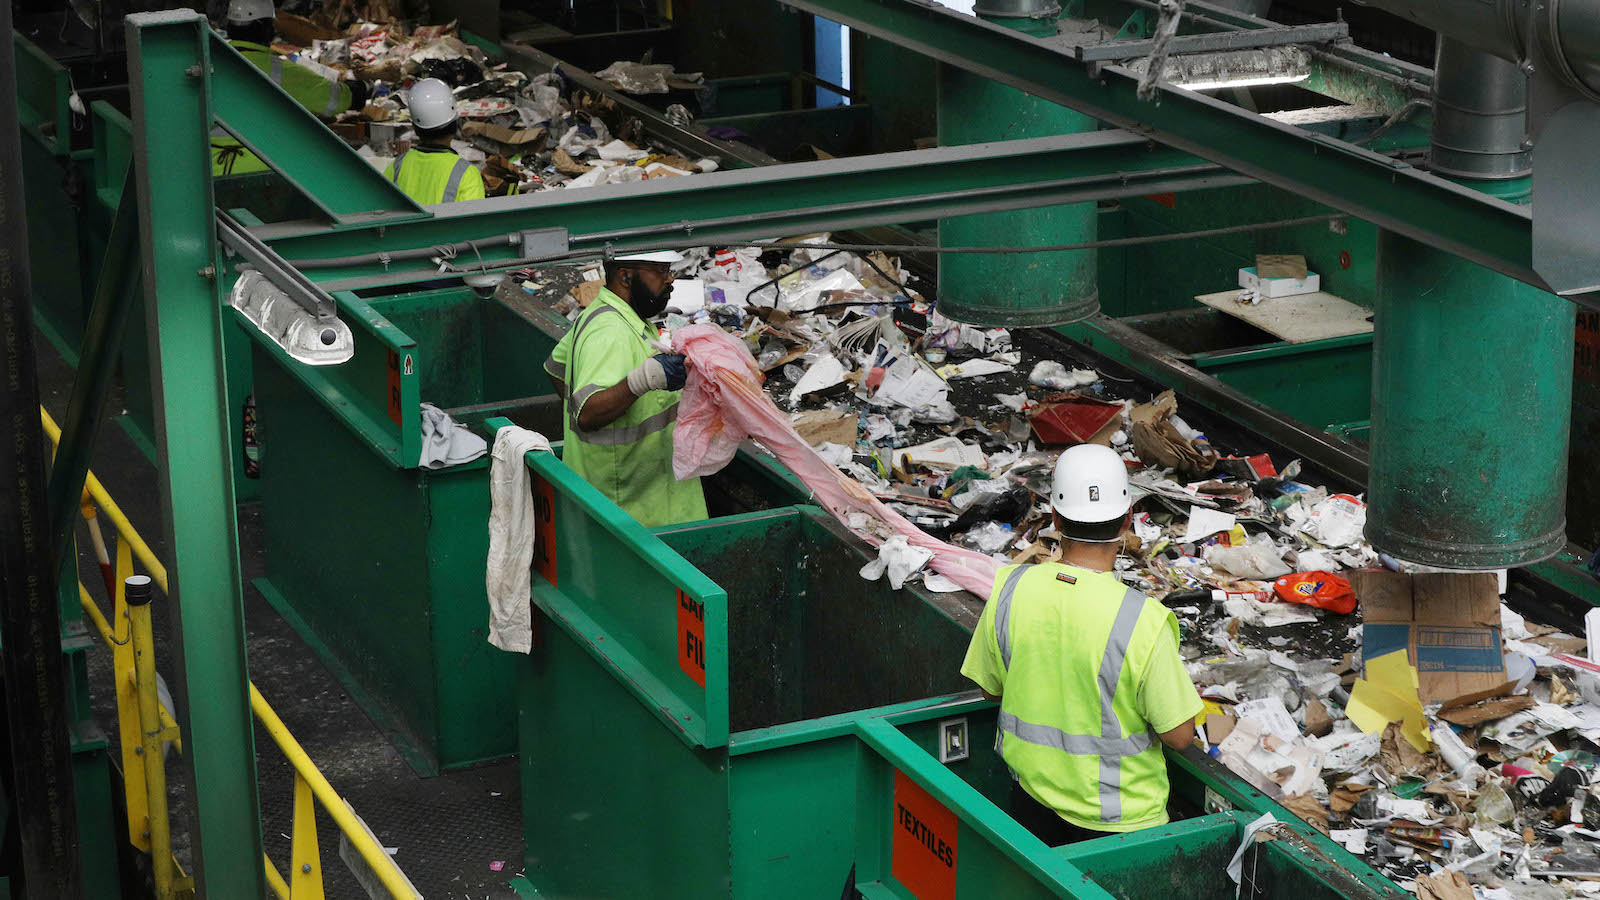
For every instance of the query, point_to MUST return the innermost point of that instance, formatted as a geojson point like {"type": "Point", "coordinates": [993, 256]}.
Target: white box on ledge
{"type": "Point", "coordinates": [1279, 287]}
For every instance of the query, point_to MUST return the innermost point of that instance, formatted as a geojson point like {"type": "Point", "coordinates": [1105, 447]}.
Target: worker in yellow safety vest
{"type": "Point", "coordinates": [621, 394]}
{"type": "Point", "coordinates": [431, 172]}
{"type": "Point", "coordinates": [251, 32]}
{"type": "Point", "coordinates": [1086, 670]}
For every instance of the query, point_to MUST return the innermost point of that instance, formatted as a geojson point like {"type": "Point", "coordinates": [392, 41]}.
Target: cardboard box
{"type": "Point", "coordinates": [1279, 287]}
{"type": "Point", "coordinates": [1448, 624]}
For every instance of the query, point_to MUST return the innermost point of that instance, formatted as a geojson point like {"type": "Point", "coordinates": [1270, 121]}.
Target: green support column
{"type": "Point", "coordinates": [1472, 370]}
{"type": "Point", "coordinates": [1014, 290]}
{"type": "Point", "coordinates": [168, 61]}
{"type": "Point", "coordinates": [1471, 407]}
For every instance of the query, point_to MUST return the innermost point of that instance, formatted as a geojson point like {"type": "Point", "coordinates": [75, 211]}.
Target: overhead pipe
{"type": "Point", "coordinates": [1480, 105]}
{"type": "Point", "coordinates": [1561, 34]}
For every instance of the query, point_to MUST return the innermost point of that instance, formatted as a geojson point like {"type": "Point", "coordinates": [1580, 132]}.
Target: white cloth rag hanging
{"type": "Point", "coordinates": [511, 524]}
{"type": "Point", "coordinates": [446, 442]}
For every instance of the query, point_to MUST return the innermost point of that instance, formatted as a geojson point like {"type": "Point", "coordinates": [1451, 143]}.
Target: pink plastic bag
{"type": "Point", "coordinates": [723, 404]}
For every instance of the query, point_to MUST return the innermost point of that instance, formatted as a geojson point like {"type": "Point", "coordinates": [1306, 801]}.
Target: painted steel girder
{"type": "Point", "coordinates": [768, 202]}
{"type": "Point", "coordinates": [317, 162]}
{"type": "Point", "coordinates": [184, 310]}
{"type": "Point", "coordinates": [1388, 192]}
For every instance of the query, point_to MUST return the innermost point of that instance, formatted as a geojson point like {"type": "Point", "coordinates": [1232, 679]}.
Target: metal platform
{"type": "Point", "coordinates": [445, 832]}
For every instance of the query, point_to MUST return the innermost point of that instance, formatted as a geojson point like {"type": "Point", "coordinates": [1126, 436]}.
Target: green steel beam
{"type": "Point", "coordinates": [767, 202]}
{"type": "Point", "coordinates": [298, 146]}
{"type": "Point", "coordinates": [172, 163]}
{"type": "Point", "coordinates": [114, 294]}
{"type": "Point", "coordinates": [1388, 192]}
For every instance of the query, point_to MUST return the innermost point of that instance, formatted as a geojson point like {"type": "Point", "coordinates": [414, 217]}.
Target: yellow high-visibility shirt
{"type": "Point", "coordinates": [1088, 674]}
{"type": "Point", "coordinates": [629, 460]}
{"type": "Point", "coordinates": [432, 175]}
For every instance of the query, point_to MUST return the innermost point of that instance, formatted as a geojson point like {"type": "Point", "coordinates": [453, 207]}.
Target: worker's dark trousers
{"type": "Point", "coordinates": [1044, 822]}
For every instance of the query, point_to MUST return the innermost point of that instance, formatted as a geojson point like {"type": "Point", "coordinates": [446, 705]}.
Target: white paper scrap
{"type": "Point", "coordinates": [1352, 839]}
{"type": "Point", "coordinates": [1274, 718]}
{"type": "Point", "coordinates": [1204, 522]}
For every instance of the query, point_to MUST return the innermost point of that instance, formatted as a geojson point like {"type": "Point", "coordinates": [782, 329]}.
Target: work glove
{"type": "Point", "coordinates": [663, 372]}
{"type": "Point", "coordinates": [358, 93]}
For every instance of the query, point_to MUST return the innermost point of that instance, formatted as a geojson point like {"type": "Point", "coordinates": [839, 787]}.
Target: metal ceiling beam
{"type": "Point", "coordinates": [1385, 191]}
{"type": "Point", "coordinates": [767, 202]}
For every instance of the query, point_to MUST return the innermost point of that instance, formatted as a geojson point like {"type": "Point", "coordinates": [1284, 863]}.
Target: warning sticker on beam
{"type": "Point", "coordinates": [692, 638]}
{"type": "Point", "coordinates": [544, 528]}
{"type": "Point", "coordinates": [394, 386]}
{"type": "Point", "coordinates": [924, 847]}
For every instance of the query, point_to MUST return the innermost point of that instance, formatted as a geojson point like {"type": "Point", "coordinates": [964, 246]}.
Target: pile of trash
{"type": "Point", "coordinates": [524, 134]}
{"type": "Point", "coordinates": [1469, 777]}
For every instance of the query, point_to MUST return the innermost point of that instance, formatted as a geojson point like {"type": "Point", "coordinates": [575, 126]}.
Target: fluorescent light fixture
{"type": "Point", "coordinates": [1249, 81]}
{"type": "Point", "coordinates": [1233, 68]}
{"type": "Point", "coordinates": [306, 338]}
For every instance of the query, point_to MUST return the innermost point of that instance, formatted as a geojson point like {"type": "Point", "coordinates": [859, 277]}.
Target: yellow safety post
{"type": "Point", "coordinates": [305, 861]}
{"type": "Point", "coordinates": [124, 668]}
{"type": "Point", "coordinates": [137, 597]}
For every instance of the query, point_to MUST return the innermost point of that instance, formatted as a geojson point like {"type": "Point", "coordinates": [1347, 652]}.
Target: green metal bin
{"type": "Point", "coordinates": [726, 709]}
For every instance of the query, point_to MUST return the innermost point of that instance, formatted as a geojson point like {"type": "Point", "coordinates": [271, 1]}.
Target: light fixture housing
{"type": "Point", "coordinates": [1233, 68]}
{"type": "Point", "coordinates": [307, 338]}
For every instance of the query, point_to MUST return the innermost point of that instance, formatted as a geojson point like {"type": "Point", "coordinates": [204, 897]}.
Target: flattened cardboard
{"type": "Point", "coordinates": [1280, 265]}
{"type": "Point", "coordinates": [828, 426]}
{"type": "Point", "coordinates": [1448, 624]}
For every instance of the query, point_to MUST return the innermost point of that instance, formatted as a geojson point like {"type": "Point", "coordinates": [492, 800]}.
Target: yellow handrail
{"type": "Point", "coordinates": [306, 770]}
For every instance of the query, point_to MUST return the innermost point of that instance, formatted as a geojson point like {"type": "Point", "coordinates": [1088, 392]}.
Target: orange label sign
{"type": "Point", "coordinates": [692, 638]}
{"type": "Point", "coordinates": [394, 386]}
{"type": "Point", "coordinates": [924, 849]}
{"type": "Point", "coordinates": [544, 529]}
{"type": "Point", "coordinates": [1586, 351]}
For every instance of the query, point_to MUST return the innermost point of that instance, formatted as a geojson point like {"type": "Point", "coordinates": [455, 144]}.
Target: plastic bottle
{"type": "Point", "coordinates": [1456, 755]}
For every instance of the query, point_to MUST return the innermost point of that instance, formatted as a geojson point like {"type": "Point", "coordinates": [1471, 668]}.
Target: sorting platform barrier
{"type": "Point", "coordinates": [727, 709]}
{"type": "Point", "coordinates": [378, 562]}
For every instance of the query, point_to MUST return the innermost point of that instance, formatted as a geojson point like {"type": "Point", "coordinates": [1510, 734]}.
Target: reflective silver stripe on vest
{"type": "Point", "coordinates": [556, 370]}
{"type": "Point", "coordinates": [332, 108]}
{"type": "Point", "coordinates": [1002, 613]}
{"type": "Point", "coordinates": [628, 434]}
{"type": "Point", "coordinates": [1109, 745]}
{"type": "Point", "coordinates": [454, 184]}
{"type": "Point", "coordinates": [397, 161]}
{"type": "Point", "coordinates": [578, 398]}
{"type": "Point", "coordinates": [276, 67]}
{"type": "Point", "coordinates": [574, 401]}
{"type": "Point", "coordinates": [1076, 744]}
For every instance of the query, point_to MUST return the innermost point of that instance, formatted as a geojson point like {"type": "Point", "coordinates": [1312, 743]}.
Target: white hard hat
{"type": "Point", "coordinates": [241, 11]}
{"type": "Point", "coordinates": [654, 256]}
{"type": "Point", "coordinates": [432, 104]}
{"type": "Point", "coordinates": [1090, 485]}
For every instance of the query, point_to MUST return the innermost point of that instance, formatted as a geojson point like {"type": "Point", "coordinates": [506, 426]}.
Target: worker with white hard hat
{"type": "Point", "coordinates": [251, 30]}
{"type": "Point", "coordinates": [621, 395]}
{"type": "Point", "coordinates": [431, 171]}
{"type": "Point", "coordinates": [1086, 670]}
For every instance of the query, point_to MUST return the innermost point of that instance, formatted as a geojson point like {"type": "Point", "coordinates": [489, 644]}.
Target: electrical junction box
{"type": "Point", "coordinates": [953, 740]}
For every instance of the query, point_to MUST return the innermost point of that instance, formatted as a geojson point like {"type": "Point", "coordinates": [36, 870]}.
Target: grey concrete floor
{"type": "Point", "coordinates": [446, 832]}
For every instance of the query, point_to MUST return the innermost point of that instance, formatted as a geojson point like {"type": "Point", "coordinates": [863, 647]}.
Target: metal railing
{"type": "Point", "coordinates": [146, 725]}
